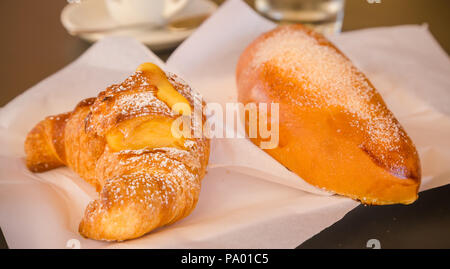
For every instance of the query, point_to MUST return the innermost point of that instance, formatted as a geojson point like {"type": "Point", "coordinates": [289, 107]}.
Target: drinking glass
{"type": "Point", "coordinates": [324, 16]}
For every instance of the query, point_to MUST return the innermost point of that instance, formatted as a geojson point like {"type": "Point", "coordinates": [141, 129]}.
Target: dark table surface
{"type": "Point", "coordinates": [35, 45]}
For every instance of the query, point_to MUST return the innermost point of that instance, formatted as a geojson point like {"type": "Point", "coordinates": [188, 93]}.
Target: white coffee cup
{"type": "Point", "coordinates": [156, 12]}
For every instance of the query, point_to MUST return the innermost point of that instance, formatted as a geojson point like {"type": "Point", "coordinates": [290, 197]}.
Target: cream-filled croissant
{"type": "Point", "coordinates": [335, 129]}
{"type": "Point", "coordinates": [122, 143]}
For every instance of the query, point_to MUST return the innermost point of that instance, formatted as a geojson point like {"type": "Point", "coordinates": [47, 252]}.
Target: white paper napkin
{"type": "Point", "coordinates": [242, 204]}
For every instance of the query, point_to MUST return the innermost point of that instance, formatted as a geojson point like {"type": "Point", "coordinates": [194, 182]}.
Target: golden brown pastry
{"type": "Point", "coordinates": [335, 129]}
{"type": "Point", "coordinates": [121, 143]}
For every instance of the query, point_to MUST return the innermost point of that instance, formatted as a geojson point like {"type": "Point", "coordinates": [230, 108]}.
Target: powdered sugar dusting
{"type": "Point", "coordinates": [330, 78]}
{"type": "Point", "coordinates": [157, 184]}
{"type": "Point", "coordinates": [140, 103]}
{"type": "Point", "coordinates": [135, 97]}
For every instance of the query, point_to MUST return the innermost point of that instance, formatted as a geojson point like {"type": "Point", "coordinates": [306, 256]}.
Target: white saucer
{"type": "Point", "coordinates": [93, 14]}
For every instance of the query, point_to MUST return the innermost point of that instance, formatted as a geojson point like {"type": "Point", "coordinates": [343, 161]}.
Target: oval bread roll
{"type": "Point", "coordinates": [335, 129]}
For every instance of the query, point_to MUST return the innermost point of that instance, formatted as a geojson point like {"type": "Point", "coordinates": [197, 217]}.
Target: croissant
{"type": "Point", "coordinates": [121, 142]}
{"type": "Point", "coordinates": [335, 130]}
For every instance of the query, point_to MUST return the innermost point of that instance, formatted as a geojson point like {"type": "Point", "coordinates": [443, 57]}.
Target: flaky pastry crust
{"type": "Point", "coordinates": [139, 190]}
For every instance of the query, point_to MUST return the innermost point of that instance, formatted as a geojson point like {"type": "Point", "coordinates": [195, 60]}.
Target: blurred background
{"type": "Point", "coordinates": [35, 44]}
